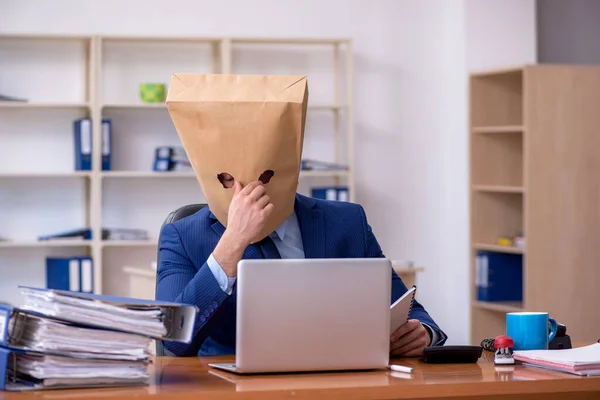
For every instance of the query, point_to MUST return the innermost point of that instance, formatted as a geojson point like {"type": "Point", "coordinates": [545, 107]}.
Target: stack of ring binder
{"type": "Point", "coordinates": [62, 339]}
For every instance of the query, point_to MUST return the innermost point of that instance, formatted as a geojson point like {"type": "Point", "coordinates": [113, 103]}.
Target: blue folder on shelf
{"type": "Point", "coordinates": [83, 144]}
{"type": "Point", "coordinates": [106, 144]}
{"type": "Point", "coordinates": [83, 233]}
{"type": "Point", "coordinates": [74, 274]}
{"type": "Point", "coordinates": [499, 276]}
{"type": "Point", "coordinates": [338, 193]}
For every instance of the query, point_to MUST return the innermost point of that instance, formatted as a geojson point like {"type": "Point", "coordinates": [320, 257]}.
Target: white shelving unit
{"type": "Point", "coordinates": [65, 78]}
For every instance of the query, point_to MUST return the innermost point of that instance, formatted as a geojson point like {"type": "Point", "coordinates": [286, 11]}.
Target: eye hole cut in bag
{"type": "Point", "coordinates": [266, 176]}
{"type": "Point", "coordinates": [226, 180]}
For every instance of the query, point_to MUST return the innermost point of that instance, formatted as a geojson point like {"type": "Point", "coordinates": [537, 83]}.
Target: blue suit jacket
{"type": "Point", "coordinates": [329, 229]}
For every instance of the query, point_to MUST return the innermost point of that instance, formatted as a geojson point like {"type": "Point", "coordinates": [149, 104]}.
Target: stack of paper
{"type": "Point", "coordinates": [50, 336]}
{"type": "Point", "coordinates": [143, 320]}
{"type": "Point", "coordinates": [42, 370]}
{"type": "Point", "coordinates": [74, 339]}
{"type": "Point", "coordinates": [580, 361]}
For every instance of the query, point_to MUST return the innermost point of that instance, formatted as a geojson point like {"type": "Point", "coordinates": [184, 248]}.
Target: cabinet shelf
{"type": "Point", "coordinates": [499, 306]}
{"type": "Point", "coordinates": [498, 248]}
{"type": "Point", "coordinates": [45, 243]}
{"type": "Point", "coordinates": [177, 174]}
{"type": "Point", "coordinates": [66, 174]}
{"type": "Point", "coordinates": [130, 243]}
{"type": "Point", "coordinates": [100, 80]}
{"type": "Point", "coordinates": [148, 174]}
{"type": "Point", "coordinates": [142, 106]}
{"type": "Point", "coordinates": [498, 189]}
{"type": "Point", "coordinates": [498, 129]}
{"type": "Point", "coordinates": [42, 105]}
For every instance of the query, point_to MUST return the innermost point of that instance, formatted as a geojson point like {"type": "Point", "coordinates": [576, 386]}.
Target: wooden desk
{"type": "Point", "coordinates": [191, 378]}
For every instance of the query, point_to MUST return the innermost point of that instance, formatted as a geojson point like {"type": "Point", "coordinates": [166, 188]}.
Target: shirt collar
{"type": "Point", "coordinates": [280, 231]}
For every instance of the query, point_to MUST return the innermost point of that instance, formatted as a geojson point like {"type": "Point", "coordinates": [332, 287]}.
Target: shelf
{"type": "Point", "coordinates": [176, 174]}
{"type": "Point", "coordinates": [496, 72]}
{"type": "Point", "coordinates": [333, 174]}
{"type": "Point", "coordinates": [19, 104]}
{"type": "Point", "coordinates": [136, 106]}
{"type": "Point", "coordinates": [499, 129]}
{"type": "Point", "coordinates": [67, 174]}
{"type": "Point", "coordinates": [45, 243]}
{"type": "Point", "coordinates": [325, 107]}
{"type": "Point", "coordinates": [497, 99]}
{"type": "Point", "coordinates": [160, 39]}
{"type": "Point", "coordinates": [317, 41]}
{"type": "Point", "coordinates": [499, 306]}
{"type": "Point", "coordinates": [129, 243]}
{"type": "Point", "coordinates": [497, 155]}
{"type": "Point", "coordinates": [143, 106]}
{"type": "Point", "coordinates": [147, 174]}
{"type": "Point", "coordinates": [407, 270]}
{"type": "Point", "coordinates": [498, 189]}
{"type": "Point", "coordinates": [498, 248]}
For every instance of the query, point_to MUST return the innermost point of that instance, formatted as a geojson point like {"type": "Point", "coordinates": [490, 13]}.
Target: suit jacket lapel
{"type": "Point", "coordinates": [312, 226]}
{"type": "Point", "coordinates": [251, 252]}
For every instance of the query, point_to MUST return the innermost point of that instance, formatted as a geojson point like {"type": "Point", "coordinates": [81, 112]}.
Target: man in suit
{"type": "Point", "coordinates": [198, 261]}
{"type": "Point", "coordinates": [236, 129]}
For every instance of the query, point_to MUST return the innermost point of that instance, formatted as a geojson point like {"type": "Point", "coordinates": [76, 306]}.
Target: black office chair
{"type": "Point", "coordinates": [176, 215]}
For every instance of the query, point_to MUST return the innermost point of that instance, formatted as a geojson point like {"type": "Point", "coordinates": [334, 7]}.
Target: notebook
{"type": "Point", "coordinates": [579, 361]}
{"type": "Point", "coordinates": [400, 309]}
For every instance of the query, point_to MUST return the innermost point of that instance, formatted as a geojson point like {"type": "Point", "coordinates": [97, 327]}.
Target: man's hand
{"type": "Point", "coordinates": [248, 212]}
{"type": "Point", "coordinates": [410, 339]}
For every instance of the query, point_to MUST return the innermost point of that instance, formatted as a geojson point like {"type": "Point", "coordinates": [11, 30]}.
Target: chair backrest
{"type": "Point", "coordinates": [180, 213]}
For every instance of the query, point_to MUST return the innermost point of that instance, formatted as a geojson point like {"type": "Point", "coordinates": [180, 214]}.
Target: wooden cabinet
{"type": "Point", "coordinates": [535, 171]}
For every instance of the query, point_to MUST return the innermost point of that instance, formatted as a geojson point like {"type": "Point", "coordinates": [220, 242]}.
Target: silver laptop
{"type": "Point", "coordinates": [298, 315]}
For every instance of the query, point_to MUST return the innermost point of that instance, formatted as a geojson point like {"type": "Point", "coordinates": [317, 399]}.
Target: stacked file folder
{"type": "Point", "coordinates": [61, 339]}
{"type": "Point", "coordinates": [583, 361]}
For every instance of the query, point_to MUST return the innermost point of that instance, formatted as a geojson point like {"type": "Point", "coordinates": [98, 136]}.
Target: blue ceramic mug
{"type": "Point", "coordinates": [530, 330]}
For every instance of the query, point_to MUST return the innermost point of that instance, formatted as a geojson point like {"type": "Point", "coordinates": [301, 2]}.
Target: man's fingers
{"type": "Point", "coordinates": [263, 201]}
{"type": "Point", "coordinates": [258, 192]}
{"type": "Point", "coordinates": [409, 326]}
{"type": "Point", "coordinates": [237, 187]}
{"type": "Point", "coordinates": [268, 209]}
{"type": "Point", "coordinates": [406, 339]}
{"type": "Point", "coordinates": [249, 188]}
{"type": "Point", "coordinates": [416, 352]}
{"type": "Point", "coordinates": [413, 348]}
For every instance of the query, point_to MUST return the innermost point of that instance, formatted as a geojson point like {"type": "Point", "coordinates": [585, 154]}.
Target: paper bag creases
{"type": "Point", "coordinates": [239, 127]}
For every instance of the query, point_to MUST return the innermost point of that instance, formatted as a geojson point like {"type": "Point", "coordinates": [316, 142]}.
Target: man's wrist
{"type": "Point", "coordinates": [428, 329]}
{"type": "Point", "coordinates": [228, 253]}
{"type": "Point", "coordinates": [232, 243]}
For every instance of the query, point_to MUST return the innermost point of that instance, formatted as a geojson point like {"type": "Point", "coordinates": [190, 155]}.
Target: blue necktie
{"type": "Point", "coordinates": [268, 248]}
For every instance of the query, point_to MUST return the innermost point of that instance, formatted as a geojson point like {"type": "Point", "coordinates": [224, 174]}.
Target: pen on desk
{"type": "Point", "coordinates": [400, 368]}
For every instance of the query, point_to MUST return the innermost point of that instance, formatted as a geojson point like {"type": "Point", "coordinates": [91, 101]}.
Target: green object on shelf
{"type": "Point", "coordinates": [152, 92]}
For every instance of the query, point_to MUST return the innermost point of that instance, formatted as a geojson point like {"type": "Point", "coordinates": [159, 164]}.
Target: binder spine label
{"type": "Point", "coordinates": [105, 139]}
{"type": "Point", "coordinates": [3, 326]}
{"type": "Point", "coordinates": [86, 137]}
{"type": "Point", "coordinates": [86, 276]}
{"type": "Point", "coordinates": [484, 280]}
{"type": "Point", "coordinates": [74, 275]}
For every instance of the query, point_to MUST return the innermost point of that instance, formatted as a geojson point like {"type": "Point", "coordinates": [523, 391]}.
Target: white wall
{"type": "Point", "coordinates": [410, 100]}
{"type": "Point", "coordinates": [500, 33]}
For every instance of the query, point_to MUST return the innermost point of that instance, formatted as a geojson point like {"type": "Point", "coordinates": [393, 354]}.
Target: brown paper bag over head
{"type": "Point", "coordinates": [242, 128]}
